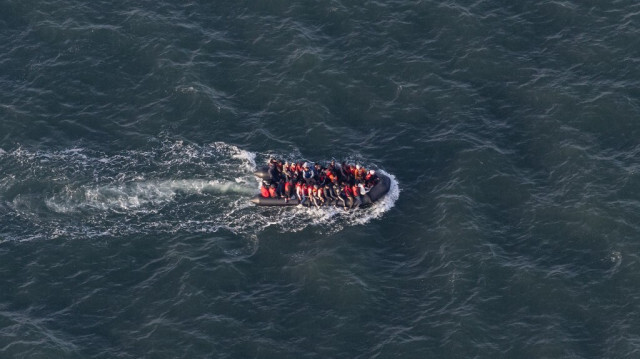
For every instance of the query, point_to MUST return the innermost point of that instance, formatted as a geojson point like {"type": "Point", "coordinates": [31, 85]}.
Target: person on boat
{"type": "Point", "coordinates": [348, 196]}
{"type": "Point", "coordinates": [293, 172]}
{"type": "Point", "coordinates": [310, 195]}
{"type": "Point", "coordinates": [280, 187]}
{"type": "Point", "coordinates": [345, 172]}
{"type": "Point", "coordinates": [272, 191]}
{"type": "Point", "coordinates": [355, 190]}
{"type": "Point", "coordinates": [288, 189]}
{"type": "Point", "coordinates": [308, 191]}
{"type": "Point", "coordinates": [274, 174]}
{"type": "Point", "coordinates": [264, 191]}
{"type": "Point", "coordinates": [321, 178]}
{"type": "Point", "coordinates": [287, 172]}
{"type": "Point", "coordinates": [321, 195]}
{"type": "Point", "coordinates": [301, 192]}
{"type": "Point", "coordinates": [338, 194]}
{"type": "Point", "coordinates": [328, 194]}
{"type": "Point", "coordinates": [364, 192]}
{"type": "Point", "coordinates": [332, 166]}
{"type": "Point", "coordinates": [331, 173]}
{"type": "Point", "coordinates": [360, 173]}
{"type": "Point", "coordinates": [313, 195]}
{"type": "Point", "coordinates": [371, 179]}
{"type": "Point", "coordinates": [355, 171]}
{"type": "Point", "coordinates": [307, 174]}
{"type": "Point", "coordinates": [352, 173]}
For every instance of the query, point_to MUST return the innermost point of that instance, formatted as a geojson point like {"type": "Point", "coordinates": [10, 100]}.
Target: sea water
{"type": "Point", "coordinates": [129, 132]}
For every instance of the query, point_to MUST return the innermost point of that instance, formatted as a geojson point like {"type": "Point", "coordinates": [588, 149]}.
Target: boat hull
{"type": "Point", "coordinates": [376, 192]}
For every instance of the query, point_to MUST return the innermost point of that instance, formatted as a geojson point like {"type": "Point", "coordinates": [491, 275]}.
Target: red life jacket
{"type": "Point", "coordinates": [287, 187]}
{"type": "Point", "coordinates": [356, 190]}
{"type": "Point", "coordinates": [309, 191]}
{"type": "Point", "coordinates": [272, 192]}
{"type": "Point", "coordinates": [264, 192]}
{"type": "Point", "coordinates": [347, 191]}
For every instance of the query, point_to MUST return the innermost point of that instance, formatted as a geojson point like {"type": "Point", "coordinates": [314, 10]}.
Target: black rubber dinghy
{"type": "Point", "coordinates": [376, 192]}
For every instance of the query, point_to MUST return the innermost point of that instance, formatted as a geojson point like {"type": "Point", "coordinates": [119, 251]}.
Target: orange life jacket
{"type": "Point", "coordinates": [332, 176]}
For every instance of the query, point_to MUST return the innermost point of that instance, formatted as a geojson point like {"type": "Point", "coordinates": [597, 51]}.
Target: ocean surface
{"type": "Point", "coordinates": [129, 131]}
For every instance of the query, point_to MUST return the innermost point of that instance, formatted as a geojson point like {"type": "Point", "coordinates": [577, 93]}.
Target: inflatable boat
{"type": "Point", "coordinates": [376, 192]}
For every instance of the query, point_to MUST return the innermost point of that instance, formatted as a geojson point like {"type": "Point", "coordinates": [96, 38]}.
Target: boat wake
{"type": "Point", "coordinates": [175, 188]}
{"type": "Point", "coordinates": [137, 195]}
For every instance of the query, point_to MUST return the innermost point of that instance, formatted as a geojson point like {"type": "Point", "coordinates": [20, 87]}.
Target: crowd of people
{"type": "Point", "coordinates": [343, 185]}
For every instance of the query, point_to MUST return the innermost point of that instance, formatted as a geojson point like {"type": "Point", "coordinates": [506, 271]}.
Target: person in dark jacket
{"type": "Point", "coordinates": [338, 195]}
{"type": "Point", "coordinates": [308, 174]}
{"type": "Point", "coordinates": [345, 172]}
{"type": "Point", "coordinates": [274, 174]}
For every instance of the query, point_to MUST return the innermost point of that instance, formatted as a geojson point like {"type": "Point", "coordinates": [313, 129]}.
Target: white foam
{"type": "Point", "coordinates": [133, 192]}
{"type": "Point", "coordinates": [385, 203]}
{"type": "Point", "coordinates": [133, 195]}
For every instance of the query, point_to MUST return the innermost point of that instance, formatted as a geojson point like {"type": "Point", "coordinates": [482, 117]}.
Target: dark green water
{"type": "Point", "coordinates": [129, 132]}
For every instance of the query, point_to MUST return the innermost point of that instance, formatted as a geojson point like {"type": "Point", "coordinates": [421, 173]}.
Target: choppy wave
{"type": "Point", "coordinates": [511, 126]}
